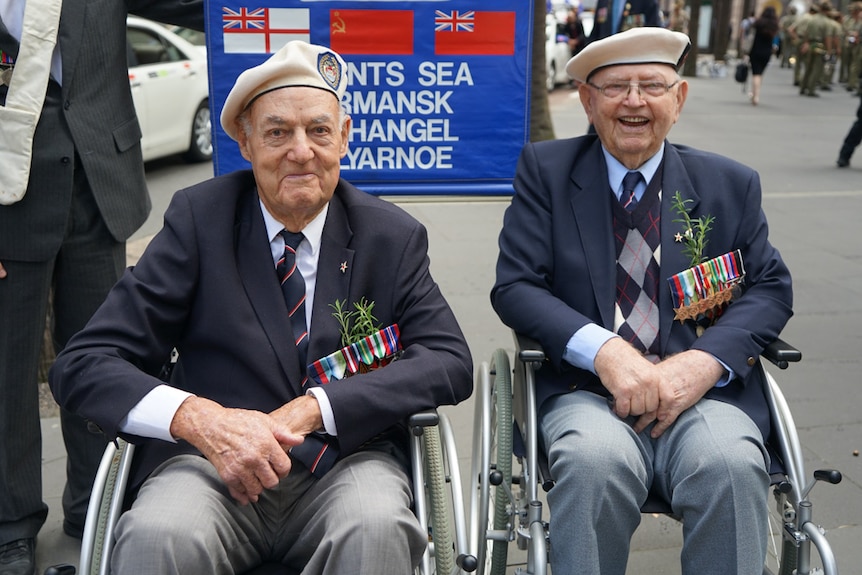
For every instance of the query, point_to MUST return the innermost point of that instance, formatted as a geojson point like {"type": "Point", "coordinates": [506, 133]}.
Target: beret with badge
{"type": "Point", "coordinates": [297, 63]}
{"type": "Point", "coordinates": [645, 45]}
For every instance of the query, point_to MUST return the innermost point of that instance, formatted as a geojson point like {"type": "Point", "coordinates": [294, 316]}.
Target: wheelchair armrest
{"type": "Point", "coordinates": [781, 353]}
{"type": "Point", "coordinates": [418, 421]}
{"type": "Point", "coordinates": [528, 349]}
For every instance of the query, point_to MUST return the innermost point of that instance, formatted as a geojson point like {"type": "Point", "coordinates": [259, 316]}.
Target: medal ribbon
{"type": "Point", "coordinates": [706, 279]}
{"type": "Point", "coordinates": [348, 360]}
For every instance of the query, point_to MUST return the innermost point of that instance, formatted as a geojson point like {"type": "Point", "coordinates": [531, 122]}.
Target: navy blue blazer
{"type": "Point", "coordinates": [556, 267]}
{"type": "Point", "coordinates": [637, 13]}
{"type": "Point", "coordinates": [207, 286]}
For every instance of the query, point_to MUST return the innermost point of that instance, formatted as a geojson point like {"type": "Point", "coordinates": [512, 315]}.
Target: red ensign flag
{"type": "Point", "coordinates": [474, 33]}
{"type": "Point", "coordinates": [371, 32]}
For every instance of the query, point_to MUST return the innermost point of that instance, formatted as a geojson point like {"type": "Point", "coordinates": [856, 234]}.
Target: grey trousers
{"type": "Point", "coordinates": [356, 519]}
{"type": "Point", "coordinates": [711, 465]}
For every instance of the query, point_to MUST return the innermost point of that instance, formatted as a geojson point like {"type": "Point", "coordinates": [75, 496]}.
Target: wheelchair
{"type": "Point", "coordinates": [438, 503]}
{"type": "Point", "coordinates": [505, 506]}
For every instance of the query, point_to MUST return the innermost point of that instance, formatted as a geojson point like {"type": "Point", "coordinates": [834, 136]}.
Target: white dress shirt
{"type": "Point", "coordinates": [152, 416]}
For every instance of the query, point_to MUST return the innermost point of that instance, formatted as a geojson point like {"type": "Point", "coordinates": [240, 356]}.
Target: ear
{"type": "Point", "coordinates": [345, 136]}
{"type": "Point", "coordinates": [586, 97]}
{"type": "Point", "coordinates": [242, 140]}
{"type": "Point", "coordinates": [681, 95]}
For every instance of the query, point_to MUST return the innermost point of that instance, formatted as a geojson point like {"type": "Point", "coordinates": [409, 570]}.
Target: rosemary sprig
{"type": "Point", "coordinates": [694, 230]}
{"type": "Point", "coordinates": [355, 324]}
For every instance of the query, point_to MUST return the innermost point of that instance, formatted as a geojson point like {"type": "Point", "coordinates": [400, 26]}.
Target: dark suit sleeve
{"type": "Point", "coordinates": [756, 318]}
{"type": "Point", "coordinates": [524, 293]}
{"type": "Point", "coordinates": [108, 367]}
{"type": "Point", "coordinates": [435, 369]}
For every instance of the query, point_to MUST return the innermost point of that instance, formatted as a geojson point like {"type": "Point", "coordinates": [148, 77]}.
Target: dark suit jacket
{"type": "Point", "coordinates": [91, 115]}
{"type": "Point", "coordinates": [640, 13]}
{"type": "Point", "coordinates": [556, 269]}
{"type": "Point", "coordinates": [207, 286]}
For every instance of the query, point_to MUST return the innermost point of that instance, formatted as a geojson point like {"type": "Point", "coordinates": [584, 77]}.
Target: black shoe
{"type": "Point", "coordinates": [842, 162]}
{"type": "Point", "coordinates": [18, 557]}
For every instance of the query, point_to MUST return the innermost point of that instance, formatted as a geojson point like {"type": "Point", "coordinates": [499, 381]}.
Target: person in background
{"type": "Point", "coordinates": [614, 16]}
{"type": "Point", "coordinates": [63, 232]}
{"type": "Point", "coordinates": [679, 17]}
{"type": "Point", "coordinates": [243, 456]}
{"type": "Point", "coordinates": [765, 28]}
{"type": "Point", "coordinates": [853, 52]}
{"type": "Point", "coordinates": [788, 50]}
{"type": "Point", "coordinates": [633, 399]}
{"type": "Point", "coordinates": [852, 140]}
{"type": "Point", "coordinates": [574, 29]}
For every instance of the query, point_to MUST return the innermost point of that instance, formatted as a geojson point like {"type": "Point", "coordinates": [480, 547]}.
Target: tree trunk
{"type": "Point", "coordinates": [690, 66]}
{"type": "Point", "coordinates": [541, 127]}
{"type": "Point", "coordinates": [722, 27]}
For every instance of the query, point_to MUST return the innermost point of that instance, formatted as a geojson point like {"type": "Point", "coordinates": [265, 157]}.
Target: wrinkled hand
{"type": "Point", "coordinates": [685, 379]}
{"type": "Point", "coordinates": [2, 271]}
{"type": "Point", "coordinates": [631, 378]}
{"type": "Point", "coordinates": [247, 448]}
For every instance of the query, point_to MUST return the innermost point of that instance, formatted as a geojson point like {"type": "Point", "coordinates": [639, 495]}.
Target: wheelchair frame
{"type": "Point", "coordinates": [434, 463]}
{"type": "Point", "coordinates": [517, 513]}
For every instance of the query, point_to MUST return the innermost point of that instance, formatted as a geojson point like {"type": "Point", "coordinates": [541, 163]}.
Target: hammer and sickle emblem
{"type": "Point", "coordinates": [338, 26]}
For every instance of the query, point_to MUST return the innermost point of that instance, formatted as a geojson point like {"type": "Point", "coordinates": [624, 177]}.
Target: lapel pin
{"type": "Point", "coordinates": [343, 267]}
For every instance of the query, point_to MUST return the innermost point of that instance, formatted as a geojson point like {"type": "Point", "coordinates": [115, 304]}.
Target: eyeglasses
{"type": "Point", "coordinates": [650, 89]}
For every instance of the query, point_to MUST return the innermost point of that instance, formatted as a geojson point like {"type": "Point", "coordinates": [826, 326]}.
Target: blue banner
{"type": "Point", "coordinates": [438, 92]}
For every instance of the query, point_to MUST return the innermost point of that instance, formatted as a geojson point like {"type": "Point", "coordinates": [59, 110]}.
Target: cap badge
{"type": "Point", "coordinates": [329, 69]}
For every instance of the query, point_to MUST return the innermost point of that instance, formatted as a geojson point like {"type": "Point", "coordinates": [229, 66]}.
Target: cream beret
{"type": "Point", "coordinates": [297, 63]}
{"type": "Point", "coordinates": [646, 45]}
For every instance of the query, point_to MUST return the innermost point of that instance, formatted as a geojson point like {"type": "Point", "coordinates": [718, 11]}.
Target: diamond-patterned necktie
{"type": "Point", "coordinates": [627, 198]}
{"type": "Point", "coordinates": [293, 288]}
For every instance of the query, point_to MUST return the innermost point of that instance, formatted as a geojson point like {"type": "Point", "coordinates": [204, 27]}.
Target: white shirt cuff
{"type": "Point", "coordinates": [325, 409]}
{"type": "Point", "coordinates": [152, 416]}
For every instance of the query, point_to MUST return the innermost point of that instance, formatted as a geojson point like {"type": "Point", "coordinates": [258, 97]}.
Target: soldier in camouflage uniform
{"type": "Point", "coordinates": [854, 40]}
{"type": "Point", "coordinates": [788, 47]}
{"type": "Point", "coordinates": [816, 44]}
{"type": "Point", "coordinates": [834, 53]}
{"type": "Point", "coordinates": [797, 32]}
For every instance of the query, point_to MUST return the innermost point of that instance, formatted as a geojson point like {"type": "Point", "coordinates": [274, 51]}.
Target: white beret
{"type": "Point", "coordinates": [645, 45]}
{"type": "Point", "coordinates": [297, 63]}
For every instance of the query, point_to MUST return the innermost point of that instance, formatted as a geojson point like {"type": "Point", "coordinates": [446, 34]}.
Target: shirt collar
{"type": "Point", "coordinates": [313, 232]}
{"type": "Point", "coordinates": [617, 171]}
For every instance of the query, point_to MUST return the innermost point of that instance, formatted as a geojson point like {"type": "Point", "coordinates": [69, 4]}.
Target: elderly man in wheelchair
{"type": "Point", "coordinates": [243, 455]}
{"type": "Point", "coordinates": [646, 389]}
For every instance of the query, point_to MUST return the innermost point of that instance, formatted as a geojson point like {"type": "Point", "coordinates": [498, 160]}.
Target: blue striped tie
{"type": "Point", "coordinates": [627, 198]}
{"type": "Point", "coordinates": [293, 288]}
{"type": "Point", "coordinates": [318, 452]}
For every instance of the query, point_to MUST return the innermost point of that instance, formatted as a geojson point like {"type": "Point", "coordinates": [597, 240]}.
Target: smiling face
{"type": "Point", "coordinates": [294, 139]}
{"type": "Point", "coordinates": [633, 126]}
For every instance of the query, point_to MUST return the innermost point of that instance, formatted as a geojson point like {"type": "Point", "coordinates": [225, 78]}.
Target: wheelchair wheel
{"type": "Point", "coordinates": [105, 508]}
{"type": "Point", "coordinates": [781, 553]}
{"type": "Point", "coordinates": [492, 470]}
{"type": "Point", "coordinates": [440, 534]}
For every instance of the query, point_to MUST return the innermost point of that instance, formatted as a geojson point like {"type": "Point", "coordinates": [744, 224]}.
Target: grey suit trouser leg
{"type": "Point", "coordinates": [356, 519]}
{"type": "Point", "coordinates": [81, 274]}
{"type": "Point", "coordinates": [711, 465]}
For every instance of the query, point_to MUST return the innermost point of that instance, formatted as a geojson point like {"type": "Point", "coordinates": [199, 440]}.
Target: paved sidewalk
{"type": "Point", "coordinates": [813, 209]}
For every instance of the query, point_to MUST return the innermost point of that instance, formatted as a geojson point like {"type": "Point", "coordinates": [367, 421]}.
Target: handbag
{"type": "Point", "coordinates": [741, 74]}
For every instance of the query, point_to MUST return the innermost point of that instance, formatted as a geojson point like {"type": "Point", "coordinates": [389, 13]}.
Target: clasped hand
{"type": "Point", "coordinates": [654, 392]}
{"type": "Point", "coordinates": [249, 449]}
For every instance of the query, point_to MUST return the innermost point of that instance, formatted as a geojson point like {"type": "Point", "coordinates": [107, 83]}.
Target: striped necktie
{"type": "Point", "coordinates": [627, 198]}
{"type": "Point", "coordinates": [293, 288]}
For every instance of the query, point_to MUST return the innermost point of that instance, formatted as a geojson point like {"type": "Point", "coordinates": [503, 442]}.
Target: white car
{"type": "Point", "coordinates": [557, 53]}
{"type": "Point", "coordinates": [168, 77]}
